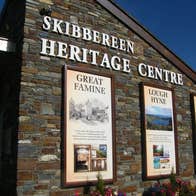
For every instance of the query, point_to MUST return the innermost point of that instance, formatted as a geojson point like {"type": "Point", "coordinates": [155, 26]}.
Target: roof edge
{"type": "Point", "coordinates": [131, 23]}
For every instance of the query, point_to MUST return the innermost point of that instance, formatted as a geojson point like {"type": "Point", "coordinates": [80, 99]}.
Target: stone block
{"type": "Point", "coordinates": [48, 157]}
{"type": "Point", "coordinates": [27, 151]}
{"type": "Point", "coordinates": [47, 109]}
{"type": "Point", "coordinates": [129, 189]}
{"type": "Point", "coordinates": [49, 2]}
{"type": "Point", "coordinates": [54, 165]}
{"type": "Point", "coordinates": [24, 118]}
{"type": "Point", "coordinates": [25, 175]}
{"type": "Point", "coordinates": [26, 164]}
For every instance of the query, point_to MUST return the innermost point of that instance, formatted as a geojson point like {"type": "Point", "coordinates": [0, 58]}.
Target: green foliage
{"type": "Point", "coordinates": [100, 154]}
{"type": "Point", "coordinates": [172, 179]}
{"type": "Point", "coordinates": [100, 184]}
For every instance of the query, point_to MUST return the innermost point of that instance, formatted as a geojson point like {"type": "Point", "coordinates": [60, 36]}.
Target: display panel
{"type": "Point", "coordinates": [193, 110]}
{"type": "Point", "coordinates": [89, 127]}
{"type": "Point", "coordinates": [159, 154]}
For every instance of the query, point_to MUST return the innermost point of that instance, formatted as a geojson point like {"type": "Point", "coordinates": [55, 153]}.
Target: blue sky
{"type": "Point", "coordinates": [173, 22]}
{"type": "Point", "coordinates": [155, 110]}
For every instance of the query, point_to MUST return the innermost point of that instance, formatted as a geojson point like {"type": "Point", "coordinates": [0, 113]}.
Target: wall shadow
{"type": "Point", "coordinates": [11, 27]}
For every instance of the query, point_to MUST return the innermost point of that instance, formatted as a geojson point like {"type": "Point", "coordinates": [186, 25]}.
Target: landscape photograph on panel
{"type": "Point", "coordinates": [158, 118]}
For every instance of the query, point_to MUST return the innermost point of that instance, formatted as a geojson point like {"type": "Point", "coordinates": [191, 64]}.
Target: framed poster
{"type": "Point", "coordinates": [193, 110]}
{"type": "Point", "coordinates": [89, 127]}
{"type": "Point", "coordinates": [159, 152]}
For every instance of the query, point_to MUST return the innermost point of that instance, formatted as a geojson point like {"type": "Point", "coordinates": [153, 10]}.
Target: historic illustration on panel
{"type": "Point", "coordinates": [89, 112]}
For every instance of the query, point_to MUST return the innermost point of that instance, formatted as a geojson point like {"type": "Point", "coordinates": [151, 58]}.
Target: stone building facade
{"type": "Point", "coordinates": [36, 91]}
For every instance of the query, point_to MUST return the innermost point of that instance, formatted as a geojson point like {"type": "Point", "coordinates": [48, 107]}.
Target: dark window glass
{"type": "Point", "coordinates": [2, 4]}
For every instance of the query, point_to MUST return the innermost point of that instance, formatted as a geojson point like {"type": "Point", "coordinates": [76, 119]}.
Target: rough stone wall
{"type": "Point", "coordinates": [39, 137]}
